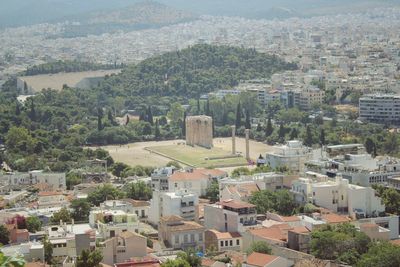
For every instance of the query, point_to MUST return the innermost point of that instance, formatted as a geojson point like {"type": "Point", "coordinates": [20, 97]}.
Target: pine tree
{"type": "Point", "coordinates": [238, 121]}
{"type": "Point", "coordinates": [248, 123]}
{"type": "Point", "coordinates": [150, 116]}
{"type": "Point", "coordinates": [270, 129]}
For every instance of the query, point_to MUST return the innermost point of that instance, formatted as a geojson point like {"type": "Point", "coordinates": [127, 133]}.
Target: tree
{"type": "Point", "coordinates": [260, 247]}
{"type": "Point", "coordinates": [127, 120]}
{"type": "Point", "coordinates": [259, 128]}
{"type": "Point", "coordinates": [104, 192]}
{"type": "Point", "coordinates": [48, 250]}
{"type": "Point", "coordinates": [184, 125]}
{"type": "Point", "coordinates": [11, 261]}
{"type": "Point", "coordinates": [174, 164]}
{"type": "Point", "coordinates": [110, 117]}
{"type": "Point", "coordinates": [62, 215]}
{"type": "Point", "coordinates": [190, 257]}
{"type": "Point", "coordinates": [207, 109]}
{"type": "Point", "coordinates": [150, 115]}
{"type": "Point", "coordinates": [176, 263]}
{"type": "Point", "coordinates": [240, 171]}
{"type": "Point", "coordinates": [175, 113]}
{"type": "Point", "coordinates": [247, 123]}
{"type": "Point", "coordinates": [391, 144]}
{"type": "Point", "coordinates": [17, 109]}
{"type": "Point", "coordinates": [269, 129]}
{"type": "Point", "coordinates": [89, 258]}
{"type": "Point", "coordinates": [32, 112]}
{"type": "Point", "coordinates": [212, 192]}
{"type": "Point", "coordinates": [19, 220]}
{"type": "Point", "coordinates": [370, 145]}
{"type": "Point", "coordinates": [157, 133]}
{"type": "Point", "coordinates": [293, 134]}
{"type": "Point", "coordinates": [382, 254]}
{"type": "Point", "coordinates": [322, 137]}
{"type": "Point", "coordinates": [281, 132]}
{"type": "Point", "coordinates": [33, 224]}
{"type": "Point", "coordinates": [391, 199]}
{"type": "Point", "coordinates": [308, 139]}
{"type": "Point", "coordinates": [99, 119]}
{"type": "Point", "coordinates": [280, 201]}
{"type": "Point", "coordinates": [118, 167]}
{"type": "Point", "coordinates": [139, 190]}
{"type": "Point", "coordinates": [238, 121]}
{"type": "Point", "coordinates": [4, 235]}
{"type": "Point", "coordinates": [81, 210]}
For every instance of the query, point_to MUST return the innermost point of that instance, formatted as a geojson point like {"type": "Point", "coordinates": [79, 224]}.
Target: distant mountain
{"type": "Point", "coordinates": [142, 15]}
{"type": "Point", "coordinates": [27, 12]}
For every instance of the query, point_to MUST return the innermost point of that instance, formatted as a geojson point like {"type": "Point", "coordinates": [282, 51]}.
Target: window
{"type": "Point", "coordinates": [191, 237]}
{"type": "Point", "coordinates": [185, 238]}
{"type": "Point", "coordinates": [231, 243]}
{"type": "Point", "coordinates": [176, 239]}
{"type": "Point", "coordinates": [222, 243]}
{"type": "Point", "coordinates": [200, 237]}
{"type": "Point", "coordinates": [176, 185]}
{"type": "Point", "coordinates": [226, 243]}
{"type": "Point", "coordinates": [237, 242]}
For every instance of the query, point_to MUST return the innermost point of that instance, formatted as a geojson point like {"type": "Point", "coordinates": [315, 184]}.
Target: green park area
{"type": "Point", "coordinates": [199, 156]}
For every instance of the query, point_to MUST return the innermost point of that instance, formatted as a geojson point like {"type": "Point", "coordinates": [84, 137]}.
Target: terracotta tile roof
{"type": "Point", "coordinates": [185, 226]}
{"type": "Point", "coordinates": [207, 262]}
{"type": "Point", "coordinates": [369, 225]}
{"type": "Point", "coordinates": [243, 190]}
{"type": "Point", "coordinates": [300, 230]}
{"type": "Point", "coordinates": [273, 233]}
{"type": "Point", "coordinates": [225, 235]}
{"type": "Point", "coordinates": [334, 218]}
{"type": "Point", "coordinates": [236, 204]}
{"type": "Point", "coordinates": [129, 234]}
{"type": "Point", "coordinates": [260, 259]}
{"type": "Point", "coordinates": [172, 218]}
{"type": "Point", "coordinates": [136, 203]}
{"type": "Point", "coordinates": [212, 172]}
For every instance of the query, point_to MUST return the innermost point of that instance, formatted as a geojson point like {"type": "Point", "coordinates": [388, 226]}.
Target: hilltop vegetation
{"type": "Point", "coordinates": [50, 128]}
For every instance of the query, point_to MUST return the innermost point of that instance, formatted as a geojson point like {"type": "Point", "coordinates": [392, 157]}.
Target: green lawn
{"type": "Point", "coordinates": [198, 156]}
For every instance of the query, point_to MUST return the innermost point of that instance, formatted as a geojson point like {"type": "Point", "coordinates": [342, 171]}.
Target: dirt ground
{"type": "Point", "coordinates": [135, 154]}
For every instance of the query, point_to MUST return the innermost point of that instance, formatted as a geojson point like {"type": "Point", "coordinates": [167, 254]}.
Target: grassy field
{"type": "Point", "coordinates": [140, 154]}
{"type": "Point", "coordinates": [198, 156]}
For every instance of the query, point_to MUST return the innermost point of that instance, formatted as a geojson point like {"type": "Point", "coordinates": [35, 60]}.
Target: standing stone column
{"type": "Point", "coordinates": [247, 132]}
{"type": "Point", "coordinates": [233, 140]}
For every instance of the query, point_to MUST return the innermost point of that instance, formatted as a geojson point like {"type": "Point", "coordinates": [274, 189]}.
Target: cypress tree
{"type": "Point", "coordinates": [322, 137]}
{"type": "Point", "coordinates": [198, 106]}
{"type": "Point", "coordinates": [281, 132]}
{"type": "Point", "coordinates": [32, 113]}
{"type": "Point", "coordinates": [248, 123]}
{"type": "Point", "coordinates": [238, 121]}
{"type": "Point", "coordinates": [208, 108]}
{"type": "Point", "coordinates": [127, 120]}
{"type": "Point", "coordinates": [110, 117]}
{"type": "Point", "coordinates": [157, 132]}
{"type": "Point", "coordinates": [184, 124]}
{"type": "Point", "coordinates": [99, 119]}
{"type": "Point", "coordinates": [150, 116]}
{"type": "Point", "coordinates": [269, 130]}
{"type": "Point", "coordinates": [17, 109]}
{"type": "Point", "coordinates": [293, 134]}
{"type": "Point", "coordinates": [308, 140]}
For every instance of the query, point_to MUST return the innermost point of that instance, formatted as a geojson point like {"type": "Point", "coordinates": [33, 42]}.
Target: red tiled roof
{"type": "Point", "coordinates": [207, 262]}
{"type": "Point", "coordinates": [274, 233]}
{"type": "Point", "coordinates": [334, 218]}
{"type": "Point", "coordinates": [45, 194]}
{"type": "Point", "coordinates": [225, 235]}
{"type": "Point", "coordinates": [236, 204]}
{"type": "Point", "coordinates": [300, 230]}
{"type": "Point", "coordinates": [260, 259]}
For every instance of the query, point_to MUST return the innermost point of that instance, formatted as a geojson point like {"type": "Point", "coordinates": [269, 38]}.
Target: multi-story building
{"type": "Point", "coordinates": [311, 96]}
{"type": "Point", "coordinates": [229, 216]}
{"type": "Point", "coordinates": [182, 203]}
{"type": "Point", "coordinates": [177, 233]}
{"type": "Point", "coordinates": [380, 108]}
{"type": "Point", "coordinates": [56, 181]}
{"type": "Point", "coordinates": [111, 223]}
{"type": "Point", "coordinates": [140, 208]}
{"type": "Point", "coordinates": [223, 241]}
{"type": "Point", "coordinates": [123, 247]}
{"type": "Point", "coordinates": [292, 155]}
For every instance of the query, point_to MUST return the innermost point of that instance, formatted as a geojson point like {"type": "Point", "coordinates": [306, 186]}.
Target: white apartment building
{"type": "Point", "coordinates": [311, 96]}
{"type": "Point", "coordinates": [181, 203]}
{"type": "Point", "coordinates": [293, 155]}
{"type": "Point", "coordinates": [380, 108]}
{"type": "Point", "coordinates": [339, 196]}
{"type": "Point", "coordinates": [52, 199]}
{"type": "Point", "coordinates": [229, 216]}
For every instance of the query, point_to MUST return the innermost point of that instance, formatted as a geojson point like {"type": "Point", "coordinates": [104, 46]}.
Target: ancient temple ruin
{"type": "Point", "coordinates": [199, 131]}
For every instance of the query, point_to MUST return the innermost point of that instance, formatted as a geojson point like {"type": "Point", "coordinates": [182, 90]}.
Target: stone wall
{"type": "Point", "coordinates": [199, 131]}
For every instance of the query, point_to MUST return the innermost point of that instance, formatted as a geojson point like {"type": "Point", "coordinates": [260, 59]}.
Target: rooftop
{"type": "Point", "coordinates": [260, 259]}
{"type": "Point", "coordinates": [236, 204]}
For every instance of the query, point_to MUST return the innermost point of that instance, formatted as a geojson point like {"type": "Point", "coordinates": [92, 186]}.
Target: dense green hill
{"type": "Point", "coordinates": [194, 71]}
